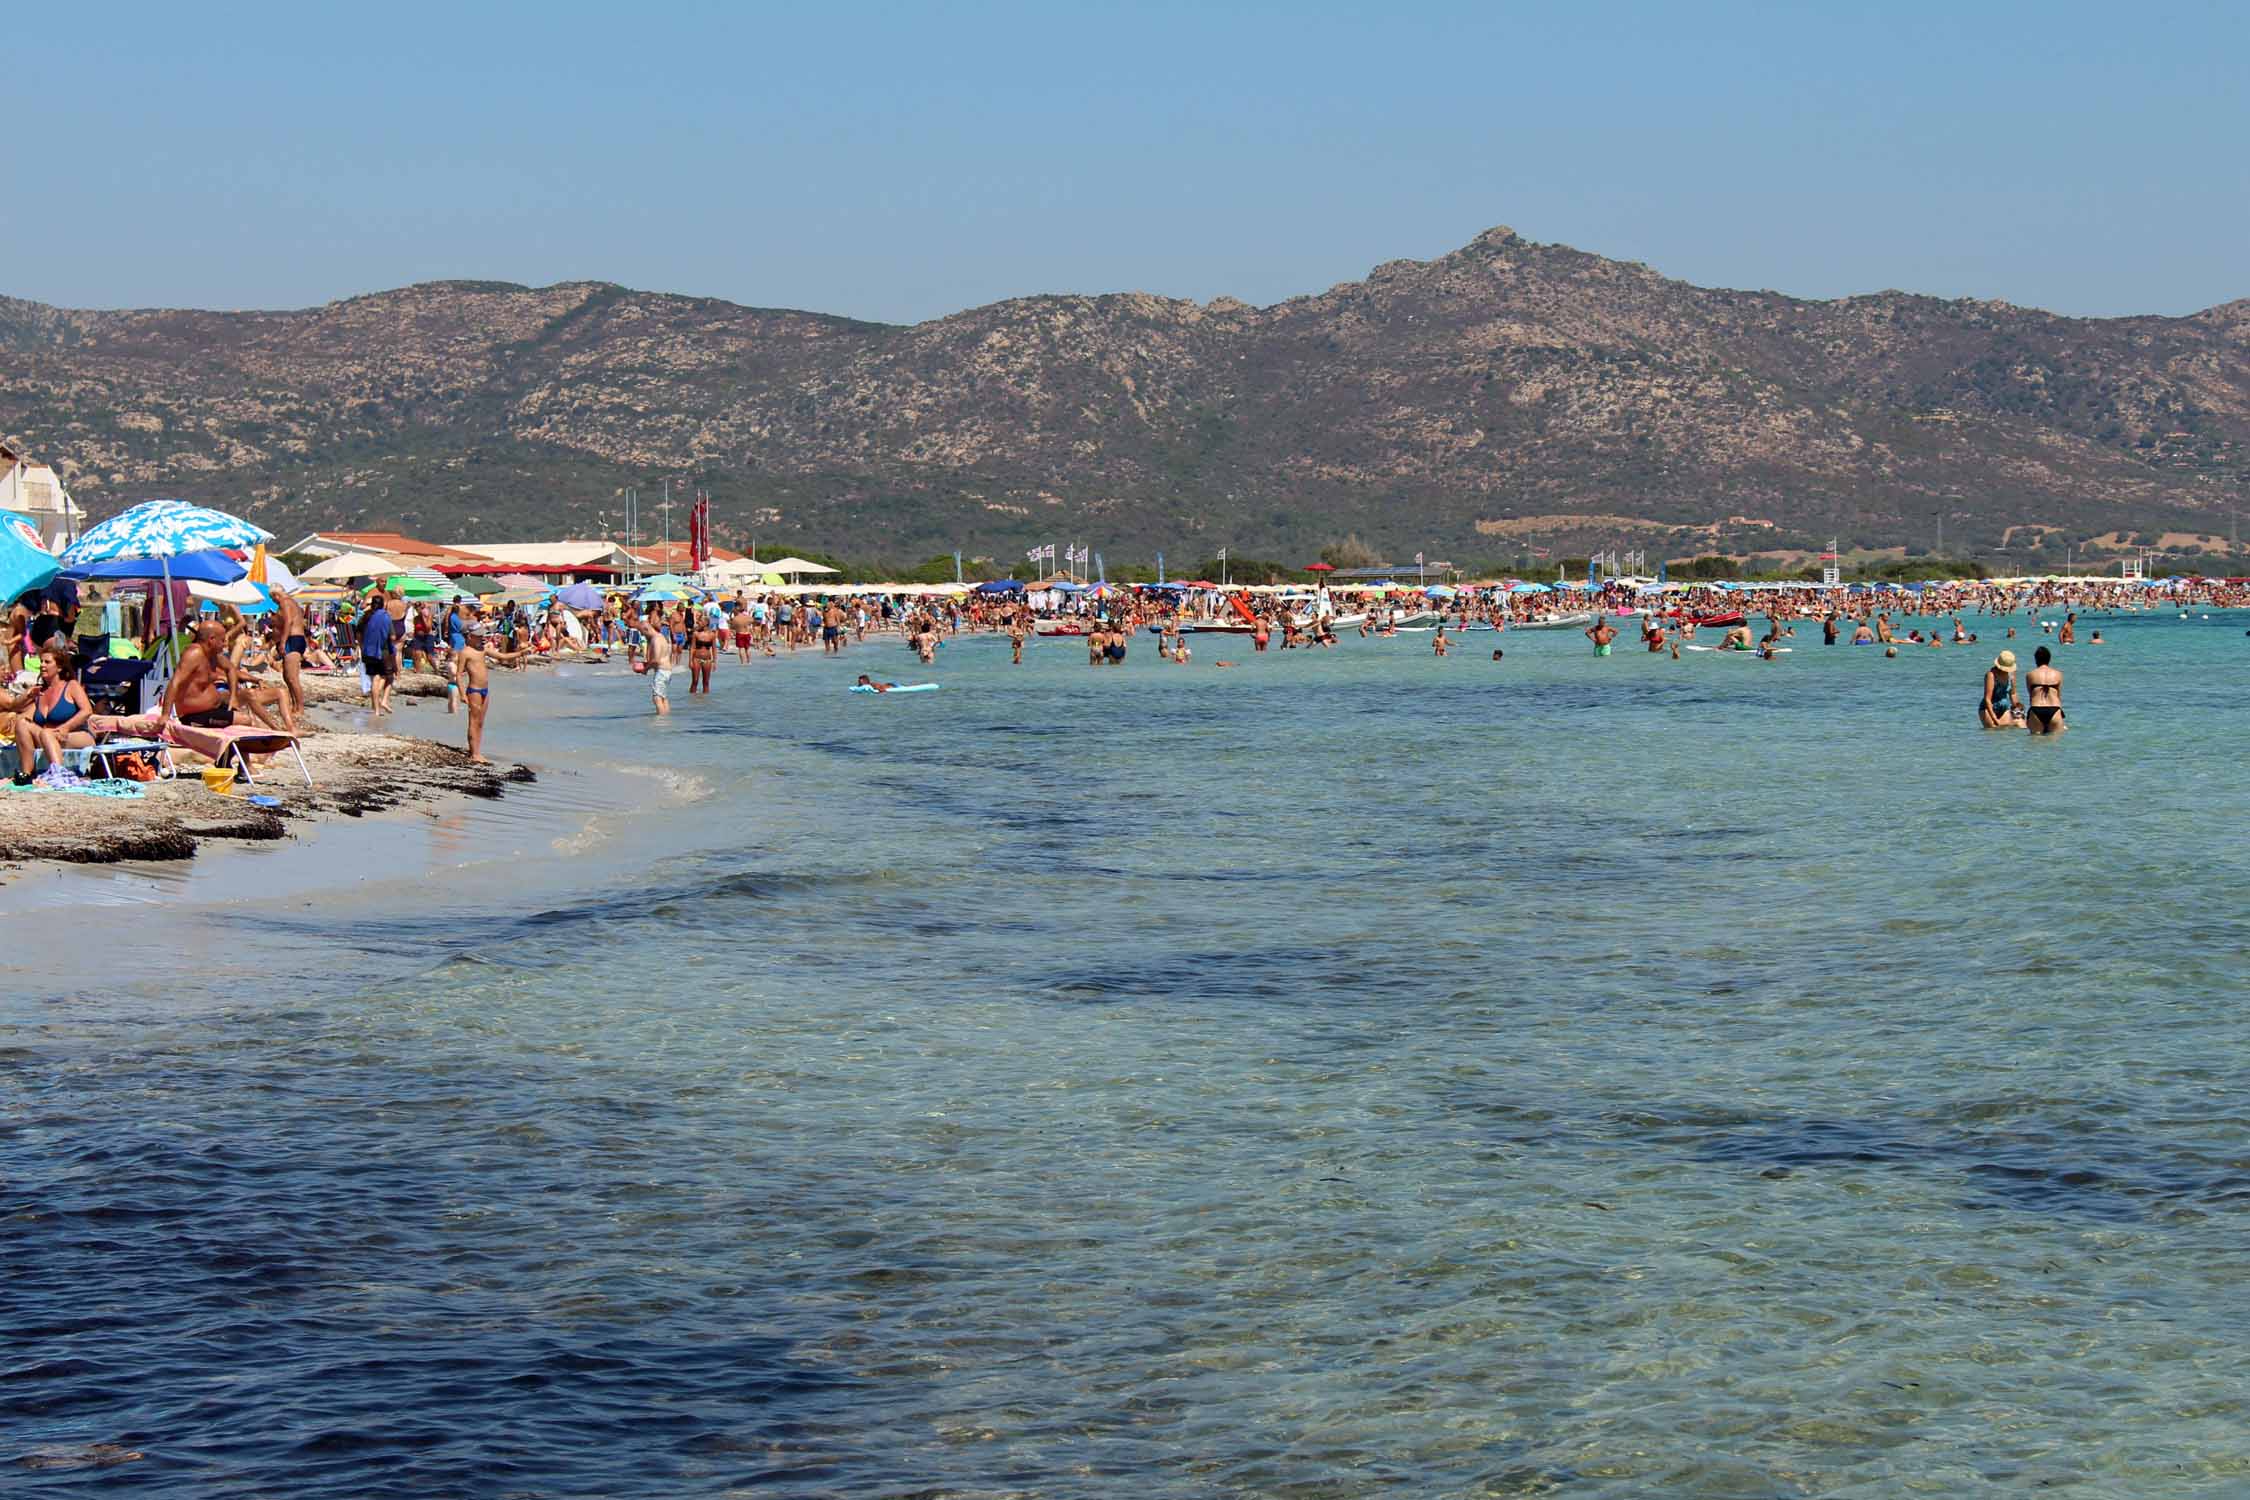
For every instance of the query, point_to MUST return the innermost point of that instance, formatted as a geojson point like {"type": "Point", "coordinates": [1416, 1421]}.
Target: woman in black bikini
{"type": "Point", "coordinates": [2045, 715]}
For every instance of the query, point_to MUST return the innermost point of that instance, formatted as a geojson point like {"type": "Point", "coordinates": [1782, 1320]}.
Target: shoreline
{"type": "Point", "coordinates": [355, 772]}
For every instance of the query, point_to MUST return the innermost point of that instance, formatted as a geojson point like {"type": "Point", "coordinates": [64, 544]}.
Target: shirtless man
{"type": "Point", "coordinates": [1601, 633]}
{"type": "Point", "coordinates": [470, 676]}
{"type": "Point", "coordinates": [2044, 682]}
{"type": "Point", "coordinates": [1439, 645]}
{"type": "Point", "coordinates": [660, 660]}
{"type": "Point", "coordinates": [198, 692]}
{"type": "Point", "coordinates": [292, 650]}
{"type": "Point", "coordinates": [703, 654]}
{"type": "Point", "coordinates": [832, 628]}
{"type": "Point", "coordinates": [2069, 635]}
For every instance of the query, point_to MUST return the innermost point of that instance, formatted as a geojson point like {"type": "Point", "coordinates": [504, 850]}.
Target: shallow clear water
{"type": "Point", "coordinates": [1356, 1073]}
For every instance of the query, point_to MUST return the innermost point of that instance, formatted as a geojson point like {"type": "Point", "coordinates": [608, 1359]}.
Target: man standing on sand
{"type": "Point", "coordinates": [2044, 682]}
{"type": "Point", "coordinates": [292, 651]}
{"type": "Point", "coordinates": [378, 658]}
{"type": "Point", "coordinates": [1601, 633]}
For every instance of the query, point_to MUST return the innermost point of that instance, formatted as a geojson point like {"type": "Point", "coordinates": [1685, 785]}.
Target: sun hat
{"type": "Point", "coordinates": [2006, 661]}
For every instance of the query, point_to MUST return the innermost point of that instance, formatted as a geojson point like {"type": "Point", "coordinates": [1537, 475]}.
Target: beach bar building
{"type": "Point", "coordinates": [35, 492]}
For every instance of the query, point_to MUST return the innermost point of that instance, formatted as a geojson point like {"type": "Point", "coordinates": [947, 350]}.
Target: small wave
{"type": "Point", "coordinates": [681, 786]}
{"type": "Point", "coordinates": [591, 836]}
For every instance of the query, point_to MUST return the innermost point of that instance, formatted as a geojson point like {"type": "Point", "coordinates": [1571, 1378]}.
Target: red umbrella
{"type": "Point", "coordinates": [1320, 567]}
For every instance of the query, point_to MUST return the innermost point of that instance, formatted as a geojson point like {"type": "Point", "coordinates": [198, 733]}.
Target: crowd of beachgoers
{"type": "Point", "coordinates": [251, 676]}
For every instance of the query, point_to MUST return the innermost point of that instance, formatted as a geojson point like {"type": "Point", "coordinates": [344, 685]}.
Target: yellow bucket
{"type": "Point", "coordinates": [219, 779]}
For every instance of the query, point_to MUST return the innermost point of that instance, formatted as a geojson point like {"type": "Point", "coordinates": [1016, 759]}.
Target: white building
{"type": "Point", "coordinates": [35, 492]}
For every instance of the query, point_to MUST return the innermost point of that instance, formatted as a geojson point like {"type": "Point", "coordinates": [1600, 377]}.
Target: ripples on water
{"type": "Point", "coordinates": [1357, 1074]}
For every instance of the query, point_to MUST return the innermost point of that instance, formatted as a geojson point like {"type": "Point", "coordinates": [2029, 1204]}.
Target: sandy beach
{"type": "Point", "coordinates": [354, 772]}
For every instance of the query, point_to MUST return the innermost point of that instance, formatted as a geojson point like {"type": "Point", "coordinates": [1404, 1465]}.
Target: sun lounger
{"type": "Point", "coordinates": [236, 745]}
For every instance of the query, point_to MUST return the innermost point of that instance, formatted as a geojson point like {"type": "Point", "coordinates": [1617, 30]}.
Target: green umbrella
{"type": "Point", "coordinates": [407, 587]}
{"type": "Point", "coordinates": [476, 583]}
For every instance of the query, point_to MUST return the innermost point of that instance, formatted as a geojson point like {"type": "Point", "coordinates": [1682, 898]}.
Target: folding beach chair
{"type": "Point", "coordinates": [113, 685]}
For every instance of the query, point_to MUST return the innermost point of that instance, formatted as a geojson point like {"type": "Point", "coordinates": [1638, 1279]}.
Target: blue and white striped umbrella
{"type": "Point", "coordinates": [162, 529]}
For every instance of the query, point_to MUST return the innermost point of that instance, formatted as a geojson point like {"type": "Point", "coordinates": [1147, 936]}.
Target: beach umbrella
{"type": "Point", "coordinates": [188, 567]}
{"type": "Point", "coordinates": [161, 530]}
{"type": "Point", "coordinates": [407, 586]}
{"type": "Point", "coordinates": [1318, 568]}
{"type": "Point", "coordinates": [1437, 591]}
{"type": "Point", "coordinates": [580, 596]}
{"type": "Point", "coordinates": [476, 585]}
{"type": "Point", "coordinates": [25, 564]}
{"type": "Point", "coordinates": [346, 567]}
{"type": "Point", "coordinates": [242, 592]}
{"type": "Point", "coordinates": [510, 582]}
{"type": "Point", "coordinates": [278, 578]}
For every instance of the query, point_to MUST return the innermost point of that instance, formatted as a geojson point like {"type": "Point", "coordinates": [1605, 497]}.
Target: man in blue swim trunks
{"type": "Point", "coordinates": [471, 677]}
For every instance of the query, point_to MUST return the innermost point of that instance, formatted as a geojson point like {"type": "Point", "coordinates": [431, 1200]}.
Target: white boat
{"type": "Point", "coordinates": [1557, 622]}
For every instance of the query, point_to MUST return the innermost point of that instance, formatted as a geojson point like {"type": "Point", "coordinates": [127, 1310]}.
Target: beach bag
{"type": "Point", "coordinates": [135, 767]}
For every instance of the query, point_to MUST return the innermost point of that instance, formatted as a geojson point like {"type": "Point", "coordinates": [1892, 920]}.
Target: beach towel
{"type": "Point", "coordinates": [63, 779]}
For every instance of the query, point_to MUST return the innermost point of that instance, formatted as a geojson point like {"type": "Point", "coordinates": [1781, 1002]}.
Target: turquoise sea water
{"type": "Point", "coordinates": [1351, 1074]}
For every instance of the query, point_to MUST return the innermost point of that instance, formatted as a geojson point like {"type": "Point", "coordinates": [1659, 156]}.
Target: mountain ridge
{"type": "Point", "coordinates": [1430, 404]}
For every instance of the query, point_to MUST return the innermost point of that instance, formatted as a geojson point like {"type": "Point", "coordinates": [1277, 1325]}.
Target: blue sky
{"type": "Point", "coordinates": [905, 161]}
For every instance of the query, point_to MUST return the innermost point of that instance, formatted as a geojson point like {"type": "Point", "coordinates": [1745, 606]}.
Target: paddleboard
{"type": "Point", "coordinates": [1731, 651]}
{"type": "Point", "coordinates": [904, 687]}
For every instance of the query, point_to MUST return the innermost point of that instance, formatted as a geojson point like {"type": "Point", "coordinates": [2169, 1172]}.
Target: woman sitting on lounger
{"type": "Point", "coordinates": [255, 701]}
{"type": "Point", "coordinates": [52, 716]}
